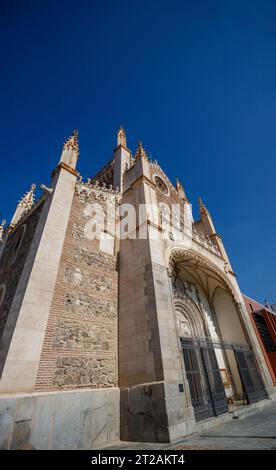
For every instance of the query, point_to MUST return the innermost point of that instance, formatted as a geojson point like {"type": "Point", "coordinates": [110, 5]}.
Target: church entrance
{"type": "Point", "coordinates": [219, 361]}
{"type": "Point", "coordinates": [204, 378]}
{"type": "Point", "coordinates": [205, 383]}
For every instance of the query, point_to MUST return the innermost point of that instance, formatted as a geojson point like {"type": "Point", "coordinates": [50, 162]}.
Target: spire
{"type": "Point", "coordinates": [210, 232]}
{"type": "Point", "coordinates": [140, 152]}
{"type": "Point", "coordinates": [121, 137]}
{"type": "Point", "coordinates": [180, 190]}
{"type": "Point", "coordinates": [28, 200]}
{"type": "Point", "coordinates": [24, 205]}
{"type": "Point", "coordinates": [70, 150]}
{"type": "Point", "coordinates": [122, 158]}
{"type": "Point", "coordinates": [72, 142]}
{"type": "Point", "coordinates": [206, 218]}
{"type": "Point", "coordinates": [202, 208]}
{"type": "Point", "coordinates": [2, 230]}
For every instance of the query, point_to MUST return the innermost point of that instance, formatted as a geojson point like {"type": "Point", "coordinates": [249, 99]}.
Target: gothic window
{"type": "Point", "coordinates": [161, 185]}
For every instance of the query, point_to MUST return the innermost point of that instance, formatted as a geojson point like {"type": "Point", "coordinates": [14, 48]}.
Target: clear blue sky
{"type": "Point", "coordinates": [195, 80]}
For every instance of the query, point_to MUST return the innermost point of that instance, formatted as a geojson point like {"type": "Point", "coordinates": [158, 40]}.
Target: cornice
{"type": "Point", "coordinates": [66, 167]}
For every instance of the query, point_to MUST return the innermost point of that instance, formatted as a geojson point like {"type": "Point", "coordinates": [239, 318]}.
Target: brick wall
{"type": "Point", "coordinates": [80, 344]}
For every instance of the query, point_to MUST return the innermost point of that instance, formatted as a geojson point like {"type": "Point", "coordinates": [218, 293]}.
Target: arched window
{"type": "Point", "coordinates": [161, 185]}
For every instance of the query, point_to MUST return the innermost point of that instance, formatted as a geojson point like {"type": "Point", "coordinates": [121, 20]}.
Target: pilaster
{"type": "Point", "coordinates": [155, 400]}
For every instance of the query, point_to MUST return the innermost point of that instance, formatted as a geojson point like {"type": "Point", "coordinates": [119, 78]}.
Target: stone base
{"type": "Point", "coordinates": [155, 412]}
{"type": "Point", "coordinates": [79, 419]}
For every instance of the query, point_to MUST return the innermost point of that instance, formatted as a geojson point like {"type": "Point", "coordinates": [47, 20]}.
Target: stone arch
{"type": "Point", "coordinates": [201, 265]}
{"type": "Point", "coordinates": [190, 321]}
{"type": "Point", "coordinates": [177, 253]}
{"type": "Point", "coordinates": [228, 317]}
{"type": "Point", "coordinates": [234, 330]}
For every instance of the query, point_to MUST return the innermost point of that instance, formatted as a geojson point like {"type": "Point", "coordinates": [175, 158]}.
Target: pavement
{"type": "Point", "coordinates": [254, 432]}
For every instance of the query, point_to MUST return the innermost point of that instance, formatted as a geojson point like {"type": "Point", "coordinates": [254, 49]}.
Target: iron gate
{"type": "Point", "coordinates": [212, 371]}
{"type": "Point", "coordinates": [203, 374]}
{"type": "Point", "coordinates": [250, 377]}
{"type": "Point", "coordinates": [205, 383]}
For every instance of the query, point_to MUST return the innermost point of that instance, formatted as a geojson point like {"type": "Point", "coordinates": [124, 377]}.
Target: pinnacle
{"type": "Point", "coordinates": [140, 152]}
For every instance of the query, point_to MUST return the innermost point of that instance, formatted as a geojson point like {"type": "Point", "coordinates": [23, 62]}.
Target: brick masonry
{"type": "Point", "coordinates": [80, 344]}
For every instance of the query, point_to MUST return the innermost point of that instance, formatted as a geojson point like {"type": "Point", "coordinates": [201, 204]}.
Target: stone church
{"type": "Point", "coordinates": [120, 315]}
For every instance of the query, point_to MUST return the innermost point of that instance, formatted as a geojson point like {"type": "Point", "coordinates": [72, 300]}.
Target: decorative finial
{"type": "Point", "coordinates": [202, 208]}
{"type": "Point", "coordinates": [70, 151]}
{"type": "Point", "coordinates": [121, 137]}
{"type": "Point", "coordinates": [72, 142]}
{"type": "Point", "coordinates": [140, 152]}
{"type": "Point", "coordinates": [24, 205]}
{"type": "Point", "coordinates": [28, 200]}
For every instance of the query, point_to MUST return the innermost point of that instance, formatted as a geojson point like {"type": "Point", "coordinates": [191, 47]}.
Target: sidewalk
{"type": "Point", "coordinates": [257, 431]}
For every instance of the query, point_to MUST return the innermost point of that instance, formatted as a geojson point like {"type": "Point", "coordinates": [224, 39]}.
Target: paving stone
{"type": "Point", "coordinates": [254, 432]}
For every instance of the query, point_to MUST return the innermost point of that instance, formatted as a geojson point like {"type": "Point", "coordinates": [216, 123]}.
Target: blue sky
{"type": "Point", "coordinates": [194, 80]}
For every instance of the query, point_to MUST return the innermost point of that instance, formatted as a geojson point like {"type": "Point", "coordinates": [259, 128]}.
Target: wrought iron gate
{"type": "Point", "coordinates": [250, 377]}
{"type": "Point", "coordinates": [217, 390]}
{"type": "Point", "coordinates": [203, 374]}
{"type": "Point", "coordinates": [205, 383]}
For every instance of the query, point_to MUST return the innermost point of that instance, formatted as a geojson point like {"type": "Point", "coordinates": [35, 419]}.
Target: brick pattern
{"type": "Point", "coordinates": [80, 344]}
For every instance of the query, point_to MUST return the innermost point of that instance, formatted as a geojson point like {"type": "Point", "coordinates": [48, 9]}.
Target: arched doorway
{"type": "Point", "coordinates": [206, 387]}
{"type": "Point", "coordinates": [246, 378]}
{"type": "Point", "coordinates": [212, 335]}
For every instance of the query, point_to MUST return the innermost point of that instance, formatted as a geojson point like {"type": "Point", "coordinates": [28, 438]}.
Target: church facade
{"type": "Point", "coordinates": [120, 316]}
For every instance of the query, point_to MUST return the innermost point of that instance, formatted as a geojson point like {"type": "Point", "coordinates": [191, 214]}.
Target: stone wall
{"type": "Point", "coordinates": [82, 419]}
{"type": "Point", "coordinates": [80, 345]}
{"type": "Point", "coordinates": [78, 371]}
